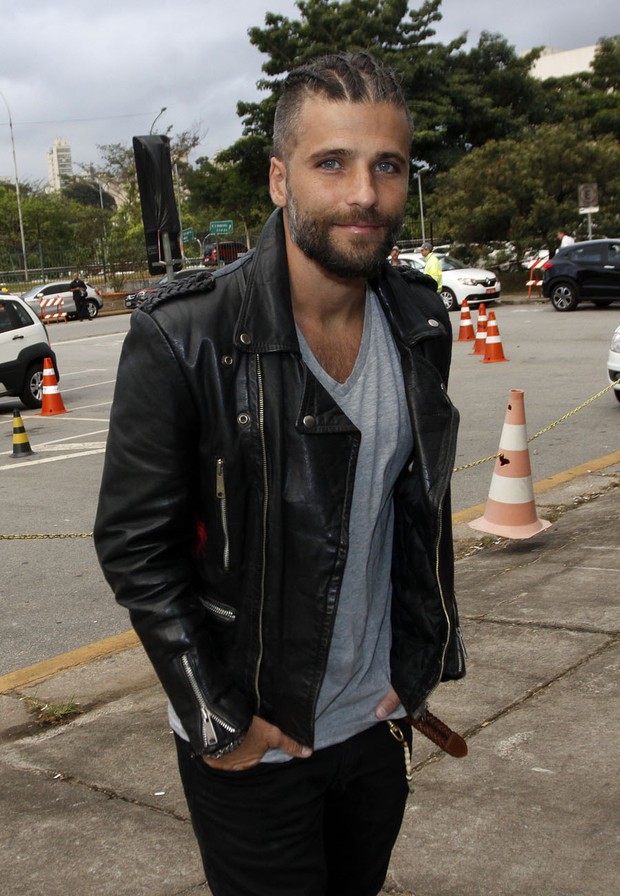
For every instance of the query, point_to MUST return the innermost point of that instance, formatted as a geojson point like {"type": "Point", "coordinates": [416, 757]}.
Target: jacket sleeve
{"type": "Point", "coordinates": [145, 534]}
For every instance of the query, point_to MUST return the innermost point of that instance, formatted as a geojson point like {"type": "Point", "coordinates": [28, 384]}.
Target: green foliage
{"type": "Point", "coordinates": [524, 189]}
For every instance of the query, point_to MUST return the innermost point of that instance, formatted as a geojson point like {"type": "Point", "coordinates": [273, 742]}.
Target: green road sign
{"type": "Point", "coordinates": [220, 228]}
{"type": "Point", "coordinates": [187, 235]}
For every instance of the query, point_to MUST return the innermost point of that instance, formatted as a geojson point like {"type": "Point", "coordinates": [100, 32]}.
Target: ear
{"type": "Point", "coordinates": [277, 182]}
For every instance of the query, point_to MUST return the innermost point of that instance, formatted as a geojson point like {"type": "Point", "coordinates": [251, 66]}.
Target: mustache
{"type": "Point", "coordinates": [374, 219]}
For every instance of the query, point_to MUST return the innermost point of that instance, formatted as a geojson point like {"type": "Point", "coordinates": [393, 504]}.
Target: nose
{"type": "Point", "coordinates": [362, 190]}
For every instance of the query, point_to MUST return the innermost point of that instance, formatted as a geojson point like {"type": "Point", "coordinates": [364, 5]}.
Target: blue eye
{"type": "Point", "coordinates": [387, 167]}
{"type": "Point", "coordinates": [331, 164]}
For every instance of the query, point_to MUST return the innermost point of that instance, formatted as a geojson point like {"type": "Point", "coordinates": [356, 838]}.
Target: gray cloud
{"type": "Point", "coordinates": [100, 73]}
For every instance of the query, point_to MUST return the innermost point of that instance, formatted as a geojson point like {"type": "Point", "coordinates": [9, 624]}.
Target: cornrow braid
{"type": "Point", "coordinates": [341, 77]}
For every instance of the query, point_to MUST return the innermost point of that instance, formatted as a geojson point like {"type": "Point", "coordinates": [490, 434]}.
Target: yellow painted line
{"type": "Point", "coordinates": [545, 485]}
{"type": "Point", "coordinates": [82, 656]}
{"type": "Point", "coordinates": [73, 659]}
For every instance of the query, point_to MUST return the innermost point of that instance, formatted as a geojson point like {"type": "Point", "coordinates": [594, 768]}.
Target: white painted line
{"type": "Point", "coordinates": [69, 446]}
{"type": "Point", "coordinates": [21, 465]}
{"type": "Point", "coordinates": [96, 432]}
{"type": "Point", "coordinates": [89, 386]}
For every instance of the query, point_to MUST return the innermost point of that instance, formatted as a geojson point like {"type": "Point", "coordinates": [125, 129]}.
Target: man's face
{"type": "Point", "coordinates": [343, 184]}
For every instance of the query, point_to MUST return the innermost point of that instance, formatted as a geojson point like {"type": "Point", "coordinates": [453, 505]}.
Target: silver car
{"type": "Point", "coordinates": [50, 290]}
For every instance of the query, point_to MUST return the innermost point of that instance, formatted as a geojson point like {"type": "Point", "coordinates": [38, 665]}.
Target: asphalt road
{"type": "Point", "coordinates": [52, 593]}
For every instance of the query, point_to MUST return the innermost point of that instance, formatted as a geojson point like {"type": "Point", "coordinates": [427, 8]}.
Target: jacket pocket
{"type": "Point", "coordinates": [218, 610]}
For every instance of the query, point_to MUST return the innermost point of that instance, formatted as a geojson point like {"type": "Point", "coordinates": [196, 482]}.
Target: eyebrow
{"type": "Point", "coordinates": [348, 153]}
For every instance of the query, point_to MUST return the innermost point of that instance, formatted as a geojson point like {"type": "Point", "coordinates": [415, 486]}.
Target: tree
{"type": "Point", "coordinates": [523, 189]}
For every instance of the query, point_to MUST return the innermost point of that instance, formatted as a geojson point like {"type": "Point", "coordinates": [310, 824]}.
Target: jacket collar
{"type": "Point", "coordinates": [266, 323]}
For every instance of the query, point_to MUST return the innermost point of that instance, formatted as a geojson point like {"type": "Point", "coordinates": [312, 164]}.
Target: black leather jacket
{"type": "Point", "coordinates": [224, 510]}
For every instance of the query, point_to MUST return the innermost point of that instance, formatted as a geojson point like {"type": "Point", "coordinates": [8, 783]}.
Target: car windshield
{"type": "Point", "coordinates": [450, 264]}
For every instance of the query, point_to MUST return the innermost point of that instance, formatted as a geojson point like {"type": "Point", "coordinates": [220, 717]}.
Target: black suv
{"type": "Point", "coordinates": [588, 270]}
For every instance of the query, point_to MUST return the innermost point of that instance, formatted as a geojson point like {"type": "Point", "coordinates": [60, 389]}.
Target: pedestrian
{"type": "Point", "coordinates": [80, 293]}
{"type": "Point", "coordinates": [275, 513]}
{"type": "Point", "coordinates": [433, 266]}
{"type": "Point", "coordinates": [393, 259]}
{"type": "Point", "coordinates": [565, 238]}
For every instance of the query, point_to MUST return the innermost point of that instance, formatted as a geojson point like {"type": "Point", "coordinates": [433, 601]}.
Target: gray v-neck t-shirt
{"type": "Point", "coordinates": [373, 398]}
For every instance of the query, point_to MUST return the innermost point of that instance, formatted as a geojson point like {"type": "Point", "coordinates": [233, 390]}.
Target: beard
{"type": "Point", "coordinates": [360, 259]}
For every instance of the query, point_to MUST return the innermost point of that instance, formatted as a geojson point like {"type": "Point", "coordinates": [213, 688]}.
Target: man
{"type": "Point", "coordinates": [565, 239]}
{"type": "Point", "coordinates": [275, 505]}
{"type": "Point", "coordinates": [393, 259]}
{"type": "Point", "coordinates": [432, 267]}
{"type": "Point", "coordinates": [78, 287]}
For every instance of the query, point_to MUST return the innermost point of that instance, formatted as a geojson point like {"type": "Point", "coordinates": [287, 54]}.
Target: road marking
{"type": "Point", "coordinates": [96, 432]}
{"type": "Point", "coordinates": [50, 460]}
{"type": "Point", "coordinates": [89, 386]}
{"type": "Point", "coordinates": [73, 659]}
{"type": "Point", "coordinates": [82, 656]}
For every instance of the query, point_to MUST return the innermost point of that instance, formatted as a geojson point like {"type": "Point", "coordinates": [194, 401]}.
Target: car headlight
{"type": "Point", "coordinates": [467, 281]}
{"type": "Point", "coordinates": [615, 342]}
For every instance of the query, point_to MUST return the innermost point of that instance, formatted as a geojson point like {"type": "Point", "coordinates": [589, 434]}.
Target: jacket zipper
{"type": "Point", "coordinates": [261, 430]}
{"type": "Point", "coordinates": [219, 610]}
{"type": "Point", "coordinates": [220, 486]}
{"type": "Point", "coordinates": [207, 728]}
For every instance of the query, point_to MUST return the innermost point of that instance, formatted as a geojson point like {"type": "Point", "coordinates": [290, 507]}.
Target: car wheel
{"type": "Point", "coordinates": [564, 297]}
{"type": "Point", "coordinates": [449, 299]}
{"type": "Point", "coordinates": [93, 309]}
{"type": "Point", "coordinates": [32, 393]}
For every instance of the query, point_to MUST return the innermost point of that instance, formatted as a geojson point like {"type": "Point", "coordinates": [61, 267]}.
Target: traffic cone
{"type": "Point", "coordinates": [466, 328]}
{"type": "Point", "coordinates": [510, 510]}
{"type": "Point", "coordinates": [493, 350]}
{"type": "Point", "coordinates": [21, 445]}
{"type": "Point", "coordinates": [481, 331]}
{"type": "Point", "coordinates": [52, 399]}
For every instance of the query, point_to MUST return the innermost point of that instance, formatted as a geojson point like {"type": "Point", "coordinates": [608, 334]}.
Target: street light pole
{"type": "Point", "coordinates": [19, 202]}
{"type": "Point", "coordinates": [161, 112]}
{"type": "Point", "coordinates": [418, 176]}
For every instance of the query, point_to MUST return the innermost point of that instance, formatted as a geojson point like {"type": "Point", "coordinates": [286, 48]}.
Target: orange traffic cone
{"type": "Point", "coordinates": [510, 510]}
{"type": "Point", "coordinates": [493, 350]}
{"type": "Point", "coordinates": [52, 399]}
{"type": "Point", "coordinates": [466, 328]}
{"type": "Point", "coordinates": [481, 331]}
{"type": "Point", "coordinates": [21, 444]}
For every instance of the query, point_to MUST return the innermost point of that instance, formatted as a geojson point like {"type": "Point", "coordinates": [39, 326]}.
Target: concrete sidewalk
{"type": "Point", "coordinates": [94, 806]}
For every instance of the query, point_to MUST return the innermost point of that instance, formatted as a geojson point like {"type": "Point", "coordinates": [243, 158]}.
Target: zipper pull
{"type": "Point", "coordinates": [219, 479]}
{"type": "Point", "coordinates": [208, 728]}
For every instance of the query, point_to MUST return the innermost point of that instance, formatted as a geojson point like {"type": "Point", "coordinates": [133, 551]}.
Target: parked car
{"type": "Point", "coordinates": [613, 362]}
{"type": "Point", "coordinates": [459, 282]}
{"type": "Point", "coordinates": [49, 290]}
{"type": "Point", "coordinates": [133, 299]}
{"type": "Point", "coordinates": [589, 270]}
{"type": "Point", "coordinates": [216, 254]}
{"type": "Point", "coordinates": [24, 345]}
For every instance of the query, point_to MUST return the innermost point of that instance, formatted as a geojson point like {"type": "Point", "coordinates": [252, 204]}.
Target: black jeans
{"type": "Point", "coordinates": [323, 826]}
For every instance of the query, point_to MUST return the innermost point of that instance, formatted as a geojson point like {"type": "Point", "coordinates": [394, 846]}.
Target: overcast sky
{"type": "Point", "coordinates": [97, 73]}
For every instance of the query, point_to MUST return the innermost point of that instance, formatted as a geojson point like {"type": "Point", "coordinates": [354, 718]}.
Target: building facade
{"type": "Point", "coordinates": [59, 164]}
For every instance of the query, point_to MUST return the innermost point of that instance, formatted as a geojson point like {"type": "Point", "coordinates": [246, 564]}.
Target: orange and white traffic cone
{"type": "Point", "coordinates": [481, 331]}
{"type": "Point", "coordinates": [52, 399]}
{"type": "Point", "coordinates": [510, 510]}
{"type": "Point", "coordinates": [466, 328]}
{"type": "Point", "coordinates": [493, 349]}
{"type": "Point", "coordinates": [21, 443]}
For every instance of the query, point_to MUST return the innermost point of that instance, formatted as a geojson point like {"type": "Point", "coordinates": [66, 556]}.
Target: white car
{"type": "Point", "coordinates": [49, 290]}
{"type": "Point", "coordinates": [613, 362]}
{"type": "Point", "coordinates": [459, 282]}
{"type": "Point", "coordinates": [23, 347]}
